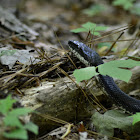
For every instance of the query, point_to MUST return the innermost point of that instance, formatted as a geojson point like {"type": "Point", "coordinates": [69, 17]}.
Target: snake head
{"type": "Point", "coordinates": [85, 54]}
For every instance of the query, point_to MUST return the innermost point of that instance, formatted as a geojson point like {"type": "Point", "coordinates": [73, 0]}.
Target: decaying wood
{"type": "Point", "coordinates": [60, 99]}
{"type": "Point", "coordinates": [64, 100]}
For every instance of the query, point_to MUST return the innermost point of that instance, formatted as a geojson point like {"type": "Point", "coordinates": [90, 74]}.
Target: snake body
{"type": "Point", "coordinates": [91, 58]}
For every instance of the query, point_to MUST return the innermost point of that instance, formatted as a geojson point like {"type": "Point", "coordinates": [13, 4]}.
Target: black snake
{"type": "Point", "coordinates": [90, 58]}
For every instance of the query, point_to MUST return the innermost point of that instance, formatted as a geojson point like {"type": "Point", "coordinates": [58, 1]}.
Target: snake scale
{"type": "Point", "coordinates": [91, 58]}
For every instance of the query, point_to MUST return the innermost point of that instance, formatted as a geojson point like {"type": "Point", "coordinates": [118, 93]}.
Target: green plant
{"type": "Point", "coordinates": [106, 123]}
{"type": "Point", "coordinates": [135, 9]}
{"type": "Point", "coordinates": [7, 52]}
{"type": "Point", "coordinates": [94, 10]}
{"type": "Point", "coordinates": [126, 4]}
{"type": "Point", "coordinates": [136, 118]}
{"type": "Point", "coordinates": [12, 127]}
{"type": "Point", "coordinates": [107, 44]}
{"type": "Point", "coordinates": [89, 26]}
{"type": "Point", "coordinates": [112, 68]}
{"type": "Point", "coordinates": [129, 5]}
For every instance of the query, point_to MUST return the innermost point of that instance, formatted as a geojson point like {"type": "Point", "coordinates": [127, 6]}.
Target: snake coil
{"type": "Point", "coordinates": [90, 58]}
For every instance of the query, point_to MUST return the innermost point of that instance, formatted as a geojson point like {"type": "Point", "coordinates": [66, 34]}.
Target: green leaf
{"type": "Point", "coordinates": [12, 117]}
{"type": "Point", "coordinates": [6, 104]}
{"type": "Point", "coordinates": [96, 33]}
{"type": "Point", "coordinates": [100, 28]}
{"type": "Point", "coordinates": [7, 52]}
{"type": "Point", "coordinates": [31, 127]}
{"type": "Point", "coordinates": [125, 63]}
{"type": "Point", "coordinates": [126, 4]}
{"type": "Point", "coordinates": [78, 30]}
{"type": "Point", "coordinates": [136, 118]}
{"type": "Point", "coordinates": [84, 73]}
{"type": "Point", "coordinates": [13, 121]}
{"type": "Point", "coordinates": [19, 112]}
{"type": "Point", "coordinates": [94, 9]}
{"type": "Point", "coordinates": [135, 10]}
{"type": "Point", "coordinates": [134, 57]}
{"type": "Point", "coordinates": [118, 73]}
{"type": "Point", "coordinates": [17, 134]}
{"type": "Point", "coordinates": [89, 26]}
{"type": "Point", "coordinates": [100, 45]}
{"type": "Point", "coordinates": [113, 69]}
{"type": "Point", "coordinates": [106, 123]}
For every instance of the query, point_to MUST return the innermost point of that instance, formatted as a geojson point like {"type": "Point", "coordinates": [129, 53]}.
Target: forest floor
{"type": "Point", "coordinates": [36, 66]}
